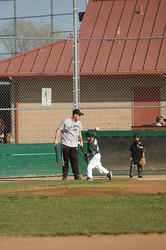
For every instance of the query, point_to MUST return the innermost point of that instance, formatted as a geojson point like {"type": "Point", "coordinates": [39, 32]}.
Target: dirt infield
{"type": "Point", "coordinates": [148, 184]}
{"type": "Point", "coordinates": [97, 242]}
{"type": "Point", "coordinates": [134, 187]}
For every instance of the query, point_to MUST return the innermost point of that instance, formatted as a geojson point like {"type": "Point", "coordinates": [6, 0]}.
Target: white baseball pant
{"type": "Point", "coordinates": [95, 162]}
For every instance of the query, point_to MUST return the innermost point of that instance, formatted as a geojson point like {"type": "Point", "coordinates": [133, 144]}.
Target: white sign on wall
{"type": "Point", "coordinates": [46, 96]}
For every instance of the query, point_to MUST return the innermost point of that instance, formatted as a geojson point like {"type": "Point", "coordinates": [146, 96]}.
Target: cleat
{"type": "Point", "coordinates": [109, 175]}
{"type": "Point", "coordinates": [77, 177]}
{"type": "Point", "coordinates": [89, 179]}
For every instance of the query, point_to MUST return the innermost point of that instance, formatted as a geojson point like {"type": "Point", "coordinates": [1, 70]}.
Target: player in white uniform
{"type": "Point", "coordinates": [94, 157]}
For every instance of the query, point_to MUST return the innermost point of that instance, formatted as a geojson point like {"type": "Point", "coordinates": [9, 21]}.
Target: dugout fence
{"type": "Point", "coordinates": [39, 159]}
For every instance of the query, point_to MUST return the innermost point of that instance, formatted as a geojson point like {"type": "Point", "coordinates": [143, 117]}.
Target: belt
{"type": "Point", "coordinates": [95, 153]}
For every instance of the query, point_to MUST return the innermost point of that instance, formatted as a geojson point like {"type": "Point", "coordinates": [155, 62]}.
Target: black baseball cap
{"type": "Point", "coordinates": [77, 112]}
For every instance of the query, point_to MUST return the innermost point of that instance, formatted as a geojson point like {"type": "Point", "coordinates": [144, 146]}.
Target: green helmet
{"type": "Point", "coordinates": [91, 133]}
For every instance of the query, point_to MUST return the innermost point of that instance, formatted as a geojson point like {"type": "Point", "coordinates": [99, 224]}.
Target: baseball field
{"type": "Point", "coordinates": [51, 214]}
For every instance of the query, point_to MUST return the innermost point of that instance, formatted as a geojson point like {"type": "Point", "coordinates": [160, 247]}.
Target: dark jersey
{"type": "Point", "coordinates": [93, 147]}
{"type": "Point", "coordinates": [137, 150]}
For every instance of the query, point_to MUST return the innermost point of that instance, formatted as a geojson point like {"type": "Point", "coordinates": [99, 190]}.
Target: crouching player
{"type": "Point", "coordinates": [94, 157]}
{"type": "Point", "coordinates": [137, 156]}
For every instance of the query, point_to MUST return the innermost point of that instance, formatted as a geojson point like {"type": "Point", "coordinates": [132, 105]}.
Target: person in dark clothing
{"type": "Point", "coordinates": [2, 128]}
{"type": "Point", "coordinates": [137, 153]}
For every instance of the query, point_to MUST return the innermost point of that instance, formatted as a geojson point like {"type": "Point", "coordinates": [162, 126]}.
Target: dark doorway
{"type": "Point", "coordinates": [146, 105]}
{"type": "Point", "coordinates": [5, 104]}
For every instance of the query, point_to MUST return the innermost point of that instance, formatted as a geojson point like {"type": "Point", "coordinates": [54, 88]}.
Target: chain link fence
{"type": "Point", "coordinates": [32, 107]}
{"type": "Point", "coordinates": [123, 102]}
{"type": "Point", "coordinates": [116, 93]}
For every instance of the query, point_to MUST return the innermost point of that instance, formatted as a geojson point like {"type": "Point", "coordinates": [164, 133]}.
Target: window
{"type": "Point", "coordinates": [46, 96]}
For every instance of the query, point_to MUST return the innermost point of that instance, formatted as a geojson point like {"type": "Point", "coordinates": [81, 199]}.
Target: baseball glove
{"type": "Point", "coordinates": [142, 162]}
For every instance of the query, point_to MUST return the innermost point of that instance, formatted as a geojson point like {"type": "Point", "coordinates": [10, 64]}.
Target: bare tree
{"type": "Point", "coordinates": [25, 29]}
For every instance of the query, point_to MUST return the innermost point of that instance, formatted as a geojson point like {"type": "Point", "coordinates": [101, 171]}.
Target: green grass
{"type": "Point", "coordinates": [27, 214]}
{"type": "Point", "coordinates": [30, 214]}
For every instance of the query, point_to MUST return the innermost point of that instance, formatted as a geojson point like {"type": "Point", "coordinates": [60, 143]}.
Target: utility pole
{"type": "Point", "coordinates": [76, 75]}
{"type": "Point", "coordinates": [52, 20]}
{"type": "Point", "coordinates": [15, 29]}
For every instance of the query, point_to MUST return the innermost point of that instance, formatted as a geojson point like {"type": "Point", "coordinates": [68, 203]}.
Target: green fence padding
{"type": "Point", "coordinates": [29, 160]}
{"type": "Point", "coordinates": [20, 160]}
{"type": "Point", "coordinates": [104, 133]}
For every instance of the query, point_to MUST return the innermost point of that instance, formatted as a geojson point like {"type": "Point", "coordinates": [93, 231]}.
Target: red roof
{"type": "Point", "coordinates": [103, 20]}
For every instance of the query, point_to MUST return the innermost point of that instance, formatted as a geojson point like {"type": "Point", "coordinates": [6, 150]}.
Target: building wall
{"type": "Point", "coordinates": [38, 123]}
{"type": "Point", "coordinates": [106, 102]}
{"type": "Point", "coordinates": [112, 99]}
{"type": "Point", "coordinates": [163, 97]}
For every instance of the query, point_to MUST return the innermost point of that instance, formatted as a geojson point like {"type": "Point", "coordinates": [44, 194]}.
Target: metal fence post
{"type": "Point", "coordinates": [76, 78]}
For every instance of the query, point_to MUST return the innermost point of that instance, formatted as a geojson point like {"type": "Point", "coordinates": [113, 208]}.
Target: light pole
{"type": "Point", "coordinates": [76, 75]}
{"type": "Point", "coordinates": [52, 20]}
{"type": "Point", "coordinates": [15, 29]}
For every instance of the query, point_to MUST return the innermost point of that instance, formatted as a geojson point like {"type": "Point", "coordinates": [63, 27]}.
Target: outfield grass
{"type": "Point", "coordinates": [28, 214]}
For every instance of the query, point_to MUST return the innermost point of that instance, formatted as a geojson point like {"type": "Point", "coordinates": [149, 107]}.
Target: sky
{"type": "Point", "coordinates": [40, 7]}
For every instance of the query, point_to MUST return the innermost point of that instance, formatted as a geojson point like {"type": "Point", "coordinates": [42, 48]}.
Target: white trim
{"type": "Point", "coordinates": [4, 83]}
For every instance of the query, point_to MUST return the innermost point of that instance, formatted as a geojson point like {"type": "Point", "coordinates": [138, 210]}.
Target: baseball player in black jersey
{"type": "Point", "coordinates": [137, 154]}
